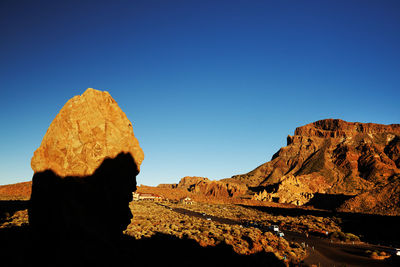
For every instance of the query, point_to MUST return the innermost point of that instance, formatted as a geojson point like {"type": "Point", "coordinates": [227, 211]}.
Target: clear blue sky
{"type": "Point", "coordinates": [212, 87]}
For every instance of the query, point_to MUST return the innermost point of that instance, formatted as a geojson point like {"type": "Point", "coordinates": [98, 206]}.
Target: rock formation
{"type": "Point", "coordinates": [89, 128]}
{"type": "Point", "coordinates": [189, 181]}
{"type": "Point", "coordinates": [215, 189]}
{"type": "Point", "coordinates": [18, 191]}
{"type": "Point", "coordinates": [329, 157]}
{"type": "Point", "coordinates": [85, 173]}
{"type": "Point", "coordinates": [167, 186]}
{"type": "Point", "coordinates": [292, 190]}
{"type": "Point", "coordinates": [382, 199]}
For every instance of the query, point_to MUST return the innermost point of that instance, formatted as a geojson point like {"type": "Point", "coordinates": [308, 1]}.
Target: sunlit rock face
{"type": "Point", "coordinates": [218, 189]}
{"type": "Point", "coordinates": [333, 157]}
{"type": "Point", "coordinates": [84, 174]}
{"type": "Point", "coordinates": [89, 128]}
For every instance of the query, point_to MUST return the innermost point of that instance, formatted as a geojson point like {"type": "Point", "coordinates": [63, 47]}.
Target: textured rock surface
{"type": "Point", "coordinates": [167, 186]}
{"type": "Point", "coordinates": [332, 157]}
{"type": "Point", "coordinates": [218, 189]}
{"type": "Point", "coordinates": [89, 128]}
{"type": "Point", "coordinates": [19, 191]}
{"type": "Point", "coordinates": [293, 190]}
{"type": "Point", "coordinates": [189, 181]}
{"type": "Point", "coordinates": [383, 199]}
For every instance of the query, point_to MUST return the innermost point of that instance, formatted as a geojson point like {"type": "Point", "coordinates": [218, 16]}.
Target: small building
{"type": "Point", "coordinates": [187, 201]}
{"type": "Point", "coordinates": [146, 196]}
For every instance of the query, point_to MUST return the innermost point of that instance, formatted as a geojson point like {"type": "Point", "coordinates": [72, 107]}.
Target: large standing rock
{"type": "Point", "coordinates": [85, 173]}
{"type": "Point", "coordinates": [89, 128]}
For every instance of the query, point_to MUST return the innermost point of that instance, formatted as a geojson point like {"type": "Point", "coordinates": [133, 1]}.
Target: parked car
{"type": "Point", "coordinates": [274, 228]}
{"type": "Point", "coordinates": [395, 251]}
{"type": "Point", "coordinates": [280, 234]}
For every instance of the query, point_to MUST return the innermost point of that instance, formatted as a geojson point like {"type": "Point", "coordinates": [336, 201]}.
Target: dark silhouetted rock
{"type": "Point", "coordinates": [95, 205]}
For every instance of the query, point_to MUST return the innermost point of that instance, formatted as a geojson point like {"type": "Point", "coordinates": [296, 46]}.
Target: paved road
{"type": "Point", "coordinates": [321, 251]}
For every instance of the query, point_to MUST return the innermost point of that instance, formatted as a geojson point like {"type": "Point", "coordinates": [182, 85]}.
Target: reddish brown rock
{"type": "Point", "coordinates": [383, 199]}
{"type": "Point", "coordinates": [18, 191]}
{"type": "Point", "coordinates": [189, 181]}
{"type": "Point", "coordinates": [217, 189]}
{"type": "Point", "coordinates": [89, 128]}
{"type": "Point", "coordinates": [335, 128]}
{"type": "Point", "coordinates": [293, 190]}
{"type": "Point", "coordinates": [167, 186]}
{"type": "Point", "coordinates": [330, 157]}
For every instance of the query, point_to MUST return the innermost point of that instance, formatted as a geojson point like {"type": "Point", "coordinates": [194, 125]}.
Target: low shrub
{"type": "Point", "coordinates": [346, 237]}
{"type": "Point", "coordinates": [377, 255]}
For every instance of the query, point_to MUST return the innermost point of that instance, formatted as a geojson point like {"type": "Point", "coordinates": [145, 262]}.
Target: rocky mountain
{"type": "Point", "coordinates": [332, 157]}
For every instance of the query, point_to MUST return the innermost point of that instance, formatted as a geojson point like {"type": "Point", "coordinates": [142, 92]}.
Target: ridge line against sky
{"type": "Point", "coordinates": [212, 87]}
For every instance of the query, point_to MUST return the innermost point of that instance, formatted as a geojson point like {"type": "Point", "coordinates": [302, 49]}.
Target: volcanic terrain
{"type": "Point", "coordinates": [355, 165]}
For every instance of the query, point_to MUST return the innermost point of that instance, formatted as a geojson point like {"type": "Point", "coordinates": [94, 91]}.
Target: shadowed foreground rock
{"type": "Point", "coordinates": [76, 215]}
{"type": "Point", "coordinates": [85, 173]}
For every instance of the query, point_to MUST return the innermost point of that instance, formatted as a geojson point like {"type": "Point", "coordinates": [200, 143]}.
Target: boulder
{"type": "Point", "coordinates": [84, 174]}
{"type": "Point", "coordinates": [89, 128]}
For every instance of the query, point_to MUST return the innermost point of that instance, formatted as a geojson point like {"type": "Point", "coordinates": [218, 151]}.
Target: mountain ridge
{"type": "Point", "coordinates": [356, 163]}
{"type": "Point", "coordinates": [330, 156]}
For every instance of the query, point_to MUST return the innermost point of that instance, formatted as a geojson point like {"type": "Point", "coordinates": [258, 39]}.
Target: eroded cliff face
{"type": "Point", "coordinates": [331, 157]}
{"type": "Point", "coordinates": [382, 199]}
{"type": "Point", "coordinates": [215, 189]}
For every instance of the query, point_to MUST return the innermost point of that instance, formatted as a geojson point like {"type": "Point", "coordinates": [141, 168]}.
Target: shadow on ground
{"type": "Point", "coordinates": [17, 249]}
{"type": "Point", "coordinates": [9, 207]}
{"type": "Point", "coordinates": [328, 201]}
{"type": "Point", "coordinates": [376, 229]}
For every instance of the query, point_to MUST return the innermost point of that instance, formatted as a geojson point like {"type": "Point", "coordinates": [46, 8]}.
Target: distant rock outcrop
{"type": "Point", "coordinates": [383, 199]}
{"type": "Point", "coordinates": [217, 189]}
{"type": "Point", "coordinates": [18, 191]}
{"type": "Point", "coordinates": [330, 157]}
{"type": "Point", "coordinates": [85, 173]}
{"type": "Point", "coordinates": [167, 186]}
{"type": "Point", "coordinates": [188, 182]}
{"type": "Point", "coordinates": [292, 190]}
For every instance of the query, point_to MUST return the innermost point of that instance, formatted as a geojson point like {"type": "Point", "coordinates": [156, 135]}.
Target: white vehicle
{"type": "Point", "coordinates": [280, 234]}
{"type": "Point", "coordinates": [274, 228]}
{"type": "Point", "coordinates": [396, 251]}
